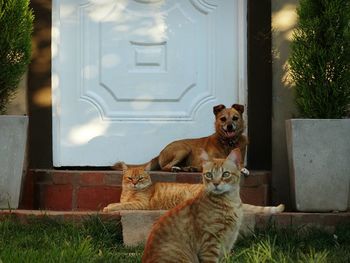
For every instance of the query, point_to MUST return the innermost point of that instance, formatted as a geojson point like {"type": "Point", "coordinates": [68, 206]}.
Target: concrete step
{"type": "Point", "coordinates": [137, 224]}
{"type": "Point", "coordinates": [82, 190]}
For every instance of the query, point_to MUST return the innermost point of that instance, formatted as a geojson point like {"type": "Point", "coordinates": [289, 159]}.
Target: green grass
{"type": "Point", "coordinates": [46, 240]}
{"type": "Point", "coordinates": [304, 245]}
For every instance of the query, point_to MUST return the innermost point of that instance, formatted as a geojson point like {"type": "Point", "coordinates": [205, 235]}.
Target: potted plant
{"type": "Point", "coordinates": [16, 24]}
{"type": "Point", "coordinates": [319, 142]}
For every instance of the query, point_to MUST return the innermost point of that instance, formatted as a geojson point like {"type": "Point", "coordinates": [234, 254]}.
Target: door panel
{"type": "Point", "coordinates": [130, 76]}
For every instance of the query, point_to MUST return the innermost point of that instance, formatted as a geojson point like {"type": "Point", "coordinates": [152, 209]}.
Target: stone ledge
{"type": "Point", "coordinates": [137, 224]}
{"type": "Point", "coordinates": [24, 216]}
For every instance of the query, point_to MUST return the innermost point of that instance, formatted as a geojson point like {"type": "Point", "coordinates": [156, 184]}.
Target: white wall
{"type": "Point", "coordinates": [283, 21]}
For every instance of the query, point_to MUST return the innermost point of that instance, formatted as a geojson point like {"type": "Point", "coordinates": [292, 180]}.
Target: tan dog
{"type": "Point", "coordinates": [184, 155]}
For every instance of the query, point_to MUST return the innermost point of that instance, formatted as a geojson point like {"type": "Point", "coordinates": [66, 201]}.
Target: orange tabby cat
{"type": "Point", "coordinates": [204, 228]}
{"type": "Point", "coordinates": [139, 193]}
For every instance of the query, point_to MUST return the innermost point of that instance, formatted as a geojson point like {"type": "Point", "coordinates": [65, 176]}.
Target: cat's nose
{"type": "Point", "coordinates": [215, 184]}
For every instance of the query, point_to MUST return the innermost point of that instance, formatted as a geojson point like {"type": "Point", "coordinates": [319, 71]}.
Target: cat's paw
{"type": "Point", "coordinates": [245, 172]}
{"type": "Point", "coordinates": [176, 169]}
{"type": "Point", "coordinates": [110, 208]}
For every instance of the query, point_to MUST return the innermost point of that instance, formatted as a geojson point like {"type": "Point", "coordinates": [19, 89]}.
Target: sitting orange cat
{"type": "Point", "coordinates": [204, 228]}
{"type": "Point", "coordinates": [139, 193]}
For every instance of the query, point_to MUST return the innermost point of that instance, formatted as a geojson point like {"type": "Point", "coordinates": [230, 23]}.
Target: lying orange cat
{"type": "Point", "coordinates": [139, 193]}
{"type": "Point", "coordinates": [204, 228]}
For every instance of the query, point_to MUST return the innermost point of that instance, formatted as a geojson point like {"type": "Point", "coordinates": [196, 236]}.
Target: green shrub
{"type": "Point", "coordinates": [320, 58]}
{"type": "Point", "coordinates": [16, 25]}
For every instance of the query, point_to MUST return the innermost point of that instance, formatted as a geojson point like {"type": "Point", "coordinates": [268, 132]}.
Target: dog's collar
{"type": "Point", "coordinates": [233, 143]}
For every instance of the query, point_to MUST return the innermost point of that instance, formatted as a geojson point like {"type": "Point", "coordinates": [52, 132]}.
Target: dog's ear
{"type": "Point", "coordinates": [238, 107]}
{"type": "Point", "coordinates": [218, 108]}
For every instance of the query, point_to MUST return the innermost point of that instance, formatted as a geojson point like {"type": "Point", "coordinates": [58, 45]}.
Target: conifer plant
{"type": "Point", "coordinates": [16, 25]}
{"type": "Point", "coordinates": [320, 59]}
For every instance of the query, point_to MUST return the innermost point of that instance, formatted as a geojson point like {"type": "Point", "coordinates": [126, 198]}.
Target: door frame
{"type": "Point", "coordinates": [242, 81]}
{"type": "Point", "coordinates": [259, 87]}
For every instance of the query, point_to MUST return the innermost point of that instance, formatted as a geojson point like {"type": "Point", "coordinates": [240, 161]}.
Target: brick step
{"type": "Point", "coordinates": [136, 224]}
{"type": "Point", "coordinates": [78, 190]}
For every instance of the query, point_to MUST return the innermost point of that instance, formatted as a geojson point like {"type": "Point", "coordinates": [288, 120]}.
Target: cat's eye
{"type": "Point", "coordinates": [235, 118]}
{"type": "Point", "coordinates": [208, 175]}
{"type": "Point", "coordinates": [130, 178]}
{"type": "Point", "coordinates": [226, 174]}
{"type": "Point", "coordinates": [223, 118]}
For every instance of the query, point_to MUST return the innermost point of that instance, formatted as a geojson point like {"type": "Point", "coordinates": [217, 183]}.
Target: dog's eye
{"type": "Point", "coordinates": [208, 175]}
{"type": "Point", "coordinates": [226, 174]}
{"type": "Point", "coordinates": [235, 118]}
{"type": "Point", "coordinates": [223, 118]}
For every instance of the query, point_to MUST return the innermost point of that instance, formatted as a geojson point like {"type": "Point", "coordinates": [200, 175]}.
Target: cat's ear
{"type": "Point", "coordinates": [204, 156]}
{"type": "Point", "coordinates": [235, 156]}
{"type": "Point", "coordinates": [120, 166]}
{"type": "Point", "coordinates": [148, 167]}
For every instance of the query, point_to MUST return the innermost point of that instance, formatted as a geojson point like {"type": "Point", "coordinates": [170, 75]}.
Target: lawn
{"type": "Point", "coordinates": [46, 240]}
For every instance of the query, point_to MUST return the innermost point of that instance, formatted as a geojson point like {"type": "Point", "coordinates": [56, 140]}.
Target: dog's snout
{"type": "Point", "coordinates": [230, 127]}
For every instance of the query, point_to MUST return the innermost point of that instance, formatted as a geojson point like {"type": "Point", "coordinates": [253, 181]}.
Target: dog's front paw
{"type": "Point", "coordinates": [176, 169]}
{"type": "Point", "coordinates": [245, 172]}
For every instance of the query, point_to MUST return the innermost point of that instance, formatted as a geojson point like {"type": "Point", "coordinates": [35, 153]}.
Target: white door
{"type": "Point", "coordinates": [130, 76]}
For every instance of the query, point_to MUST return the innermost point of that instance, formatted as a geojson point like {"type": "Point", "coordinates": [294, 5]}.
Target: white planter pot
{"type": "Point", "coordinates": [13, 138]}
{"type": "Point", "coordinates": [319, 163]}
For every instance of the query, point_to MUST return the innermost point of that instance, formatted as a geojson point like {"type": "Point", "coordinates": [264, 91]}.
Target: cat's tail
{"type": "Point", "coordinates": [263, 209]}
{"type": "Point", "coordinates": [152, 165]}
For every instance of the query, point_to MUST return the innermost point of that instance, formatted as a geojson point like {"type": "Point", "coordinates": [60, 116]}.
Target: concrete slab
{"type": "Point", "coordinates": [319, 153]}
{"type": "Point", "coordinates": [137, 224]}
{"type": "Point", "coordinates": [13, 139]}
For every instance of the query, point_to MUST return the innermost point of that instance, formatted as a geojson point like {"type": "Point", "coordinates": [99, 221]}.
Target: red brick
{"type": "Point", "coordinates": [255, 195]}
{"type": "Point", "coordinates": [89, 178]}
{"type": "Point", "coordinates": [92, 178]}
{"type": "Point", "coordinates": [62, 178]}
{"type": "Point", "coordinates": [55, 197]}
{"type": "Point", "coordinates": [330, 219]}
{"type": "Point", "coordinates": [163, 177]}
{"type": "Point", "coordinates": [192, 178]}
{"type": "Point", "coordinates": [27, 195]}
{"type": "Point", "coordinates": [279, 220]}
{"type": "Point", "coordinates": [336, 218]}
{"type": "Point", "coordinates": [43, 176]}
{"type": "Point", "coordinates": [97, 197]}
{"type": "Point", "coordinates": [114, 178]}
{"type": "Point", "coordinates": [256, 178]}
